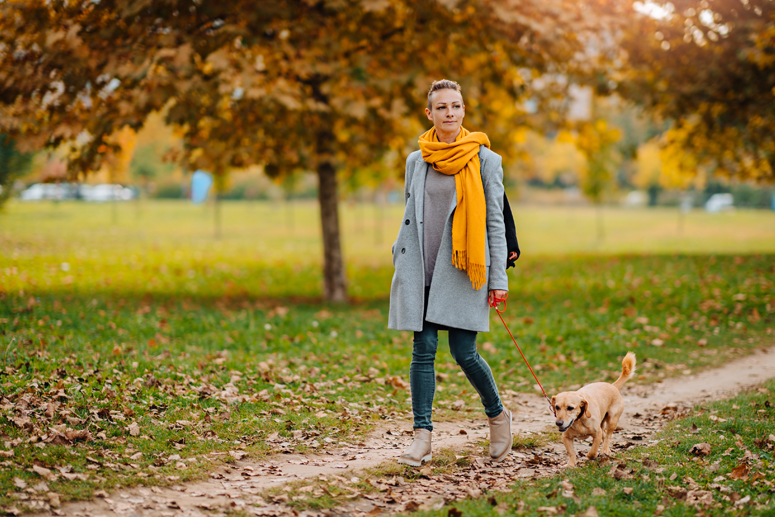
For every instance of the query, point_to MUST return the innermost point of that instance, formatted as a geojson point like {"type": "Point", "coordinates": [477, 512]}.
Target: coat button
{"type": "Point", "coordinates": [403, 250]}
{"type": "Point", "coordinates": [408, 194]}
{"type": "Point", "coordinates": [406, 222]}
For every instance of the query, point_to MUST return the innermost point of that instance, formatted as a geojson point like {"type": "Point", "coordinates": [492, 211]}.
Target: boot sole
{"type": "Point", "coordinates": [414, 463]}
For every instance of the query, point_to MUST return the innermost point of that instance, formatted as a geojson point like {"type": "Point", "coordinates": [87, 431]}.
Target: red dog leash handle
{"type": "Point", "coordinates": [494, 303]}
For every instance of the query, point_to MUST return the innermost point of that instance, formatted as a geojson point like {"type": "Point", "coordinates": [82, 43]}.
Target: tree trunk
{"type": "Point", "coordinates": [289, 213]}
{"type": "Point", "coordinates": [379, 204]}
{"type": "Point", "coordinates": [217, 213]}
{"type": "Point", "coordinates": [600, 227]}
{"type": "Point", "coordinates": [334, 278]}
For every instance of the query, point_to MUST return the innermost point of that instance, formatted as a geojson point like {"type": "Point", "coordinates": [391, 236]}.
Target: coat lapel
{"type": "Point", "coordinates": [418, 191]}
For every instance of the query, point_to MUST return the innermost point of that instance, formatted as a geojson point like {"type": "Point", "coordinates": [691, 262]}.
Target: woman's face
{"type": "Point", "coordinates": [447, 111]}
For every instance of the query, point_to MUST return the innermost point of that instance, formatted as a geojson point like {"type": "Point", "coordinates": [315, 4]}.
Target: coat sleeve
{"type": "Point", "coordinates": [496, 228]}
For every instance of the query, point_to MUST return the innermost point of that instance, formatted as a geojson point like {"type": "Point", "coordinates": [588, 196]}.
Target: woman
{"type": "Point", "coordinates": [450, 261]}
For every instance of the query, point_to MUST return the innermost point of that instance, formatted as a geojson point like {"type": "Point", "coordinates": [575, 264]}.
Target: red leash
{"type": "Point", "coordinates": [494, 303]}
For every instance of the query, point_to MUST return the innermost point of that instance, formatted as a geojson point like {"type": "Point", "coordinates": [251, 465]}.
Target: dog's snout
{"type": "Point", "coordinates": [559, 423]}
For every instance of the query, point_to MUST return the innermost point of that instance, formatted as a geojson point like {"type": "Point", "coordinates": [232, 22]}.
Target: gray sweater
{"type": "Point", "coordinates": [439, 190]}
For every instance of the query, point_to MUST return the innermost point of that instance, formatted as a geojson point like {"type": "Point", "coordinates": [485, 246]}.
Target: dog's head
{"type": "Point", "coordinates": [570, 406]}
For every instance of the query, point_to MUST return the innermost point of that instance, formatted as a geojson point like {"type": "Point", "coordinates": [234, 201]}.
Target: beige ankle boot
{"type": "Point", "coordinates": [500, 435]}
{"type": "Point", "coordinates": [419, 451]}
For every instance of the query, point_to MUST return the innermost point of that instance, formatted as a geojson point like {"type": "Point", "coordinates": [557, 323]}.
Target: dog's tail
{"type": "Point", "coordinates": [628, 368]}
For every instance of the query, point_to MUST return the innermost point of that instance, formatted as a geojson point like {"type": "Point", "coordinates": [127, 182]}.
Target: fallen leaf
{"type": "Point", "coordinates": [627, 490]}
{"type": "Point", "coordinates": [411, 506]}
{"type": "Point", "coordinates": [44, 472]}
{"type": "Point", "coordinates": [744, 500]}
{"type": "Point", "coordinates": [699, 498]}
{"type": "Point", "coordinates": [590, 512]}
{"type": "Point", "coordinates": [133, 429]}
{"type": "Point", "coordinates": [598, 491]}
{"type": "Point", "coordinates": [40, 487]}
{"type": "Point", "coordinates": [237, 455]}
{"type": "Point", "coordinates": [700, 449]}
{"type": "Point", "coordinates": [740, 472]}
{"type": "Point", "coordinates": [676, 492]}
{"type": "Point", "coordinates": [81, 434]}
{"type": "Point", "coordinates": [398, 382]}
{"type": "Point", "coordinates": [53, 500]}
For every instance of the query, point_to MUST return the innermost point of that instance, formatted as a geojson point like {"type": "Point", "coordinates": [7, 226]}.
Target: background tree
{"type": "Point", "coordinates": [320, 85]}
{"type": "Point", "coordinates": [596, 142]}
{"type": "Point", "coordinates": [13, 165]}
{"type": "Point", "coordinates": [709, 67]}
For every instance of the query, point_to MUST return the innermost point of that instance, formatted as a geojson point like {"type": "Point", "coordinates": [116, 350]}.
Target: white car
{"type": "Point", "coordinates": [105, 192]}
{"type": "Point", "coordinates": [719, 202]}
{"type": "Point", "coordinates": [40, 191]}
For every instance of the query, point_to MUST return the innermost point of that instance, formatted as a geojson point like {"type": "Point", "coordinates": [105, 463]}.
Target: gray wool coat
{"type": "Point", "coordinates": [452, 301]}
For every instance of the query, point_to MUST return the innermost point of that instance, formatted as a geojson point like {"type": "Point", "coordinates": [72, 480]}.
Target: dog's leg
{"type": "Point", "coordinates": [611, 422]}
{"type": "Point", "coordinates": [568, 443]}
{"type": "Point", "coordinates": [596, 439]}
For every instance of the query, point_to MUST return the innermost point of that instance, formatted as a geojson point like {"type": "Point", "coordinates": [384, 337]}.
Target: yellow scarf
{"type": "Point", "coordinates": [461, 159]}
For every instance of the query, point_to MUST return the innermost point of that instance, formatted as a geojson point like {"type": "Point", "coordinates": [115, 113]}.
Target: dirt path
{"type": "Point", "coordinates": [240, 485]}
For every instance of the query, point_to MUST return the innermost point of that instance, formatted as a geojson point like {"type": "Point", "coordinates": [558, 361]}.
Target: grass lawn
{"type": "Point", "coordinates": [145, 351]}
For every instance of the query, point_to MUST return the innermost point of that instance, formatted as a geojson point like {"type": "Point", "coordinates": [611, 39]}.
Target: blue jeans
{"type": "Point", "coordinates": [422, 374]}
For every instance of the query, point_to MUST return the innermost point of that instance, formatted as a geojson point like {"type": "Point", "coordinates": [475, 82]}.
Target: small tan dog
{"type": "Point", "coordinates": [585, 412]}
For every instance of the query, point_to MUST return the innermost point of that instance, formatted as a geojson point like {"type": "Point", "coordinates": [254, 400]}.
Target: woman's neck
{"type": "Point", "coordinates": [447, 138]}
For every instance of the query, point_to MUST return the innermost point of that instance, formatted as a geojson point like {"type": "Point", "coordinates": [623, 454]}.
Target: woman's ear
{"type": "Point", "coordinates": [585, 408]}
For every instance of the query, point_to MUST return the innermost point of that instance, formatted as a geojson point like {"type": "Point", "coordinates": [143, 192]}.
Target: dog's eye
{"type": "Point", "coordinates": [570, 408]}
{"type": "Point", "coordinates": [557, 408]}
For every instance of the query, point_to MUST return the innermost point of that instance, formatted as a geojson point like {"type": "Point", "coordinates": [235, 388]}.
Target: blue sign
{"type": "Point", "coordinates": [201, 182]}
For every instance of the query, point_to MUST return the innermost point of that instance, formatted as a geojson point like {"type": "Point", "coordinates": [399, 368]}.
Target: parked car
{"type": "Point", "coordinates": [57, 191]}
{"type": "Point", "coordinates": [106, 192]}
{"type": "Point", "coordinates": [60, 191]}
{"type": "Point", "coordinates": [719, 202]}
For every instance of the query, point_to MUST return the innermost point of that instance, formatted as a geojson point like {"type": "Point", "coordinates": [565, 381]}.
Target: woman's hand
{"type": "Point", "coordinates": [499, 294]}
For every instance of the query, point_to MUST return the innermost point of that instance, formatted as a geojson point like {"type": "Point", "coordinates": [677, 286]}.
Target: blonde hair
{"type": "Point", "coordinates": [444, 84]}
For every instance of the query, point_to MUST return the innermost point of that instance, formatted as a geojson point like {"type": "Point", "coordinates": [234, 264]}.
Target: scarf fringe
{"type": "Point", "coordinates": [477, 273]}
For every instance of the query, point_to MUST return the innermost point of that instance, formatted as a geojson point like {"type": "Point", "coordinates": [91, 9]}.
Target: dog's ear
{"type": "Point", "coordinates": [553, 400]}
{"type": "Point", "coordinates": [585, 408]}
